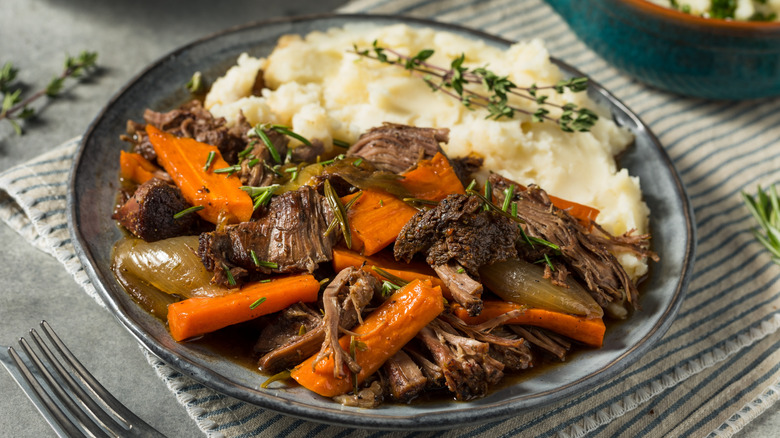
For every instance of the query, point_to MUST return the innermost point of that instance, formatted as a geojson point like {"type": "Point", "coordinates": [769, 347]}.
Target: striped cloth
{"type": "Point", "coordinates": [718, 366]}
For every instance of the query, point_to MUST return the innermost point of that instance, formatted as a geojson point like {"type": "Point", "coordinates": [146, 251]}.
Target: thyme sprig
{"type": "Point", "coordinates": [765, 207]}
{"type": "Point", "coordinates": [461, 82]}
{"type": "Point", "coordinates": [14, 108]}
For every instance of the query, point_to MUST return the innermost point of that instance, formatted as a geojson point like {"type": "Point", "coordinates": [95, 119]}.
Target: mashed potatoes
{"type": "Point", "coordinates": [323, 91]}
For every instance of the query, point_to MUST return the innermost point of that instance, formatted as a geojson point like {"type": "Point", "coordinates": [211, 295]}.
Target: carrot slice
{"type": "Point", "coordinates": [217, 193]}
{"type": "Point", "coordinates": [433, 179]}
{"type": "Point", "coordinates": [136, 168]}
{"type": "Point", "coordinates": [589, 331]}
{"type": "Point", "coordinates": [343, 258]}
{"type": "Point", "coordinates": [199, 315]}
{"type": "Point", "coordinates": [381, 335]}
{"type": "Point", "coordinates": [375, 219]}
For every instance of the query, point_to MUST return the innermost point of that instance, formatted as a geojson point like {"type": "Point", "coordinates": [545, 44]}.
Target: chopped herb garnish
{"type": "Point", "coordinates": [259, 132]}
{"type": "Point", "coordinates": [340, 143]}
{"type": "Point", "coordinates": [283, 375]}
{"type": "Point", "coordinates": [357, 162]}
{"type": "Point", "coordinates": [549, 262]}
{"type": "Point", "coordinates": [247, 151]}
{"type": "Point", "coordinates": [286, 130]}
{"type": "Point", "coordinates": [337, 157]}
{"type": "Point", "coordinates": [229, 275]}
{"type": "Point", "coordinates": [395, 279]}
{"type": "Point", "coordinates": [388, 288]}
{"type": "Point", "coordinates": [187, 211]}
{"type": "Point", "coordinates": [514, 209]}
{"type": "Point", "coordinates": [195, 84]}
{"type": "Point", "coordinates": [546, 243]}
{"type": "Point", "coordinates": [263, 199]}
{"type": "Point", "coordinates": [229, 170]}
{"type": "Point", "coordinates": [471, 185]}
{"type": "Point", "coordinates": [302, 330]}
{"type": "Point", "coordinates": [414, 202]}
{"type": "Point", "coordinates": [489, 195]}
{"type": "Point", "coordinates": [259, 301]}
{"type": "Point", "coordinates": [324, 281]}
{"type": "Point", "coordinates": [335, 221]}
{"type": "Point", "coordinates": [253, 162]}
{"type": "Point", "coordinates": [460, 270]}
{"type": "Point", "coordinates": [209, 160]}
{"type": "Point", "coordinates": [256, 191]}
{"type": "Point", "coordinates": [509, 193]}
{"type": "Point", "coordinates": [381, 202]}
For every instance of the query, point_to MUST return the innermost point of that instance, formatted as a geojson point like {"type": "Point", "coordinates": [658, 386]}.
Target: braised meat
{"type": "Point", "coordinates": [343, 301]}
{"type": "Point", "coordinates": [290, 235]}
{"type": "Point", "coordinates": [148, 213]}
{"type": "Point", "coordinates": [465, 167]}
{"type": "Point", "coordinates": [396, 148]}
{"type": "Point", "coordinates": [190, 120]}
{"type": "Point", "coordinates": [405, 381]}
{"type": "Point", "coordinates": [253, 166]}
{"type": "Point", "coordinates": [457, 237]}
{"type": "Point", "coordinates": [585, 253]}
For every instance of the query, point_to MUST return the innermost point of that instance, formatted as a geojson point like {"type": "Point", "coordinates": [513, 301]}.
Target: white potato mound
{"type": "Point", "coordinates": [322, 90]}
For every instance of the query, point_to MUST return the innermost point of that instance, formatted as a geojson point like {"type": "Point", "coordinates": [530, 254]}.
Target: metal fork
{"type": "Point", "coordinates": [72, 409]}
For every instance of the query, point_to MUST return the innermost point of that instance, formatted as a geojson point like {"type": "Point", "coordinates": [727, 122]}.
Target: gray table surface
{"type": "Point", "coordinates": [36, 35]}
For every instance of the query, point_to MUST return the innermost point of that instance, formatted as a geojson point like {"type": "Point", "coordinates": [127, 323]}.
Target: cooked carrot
{"type": "Point", "coordinates": [589, 331]}
{"type": "Point", "coordinates": [199, 315]}
{"type": "Point", "coordinates": [136, 168]}
{"type": "Point", "coordinates": [343, 258]}
{"type": "Point", "coordinates": [376, 219]}
{"type": "Point", "coordinates": [583, 213]}
{"type": "Point", "coordinates": [217, 193]}
{"type": "Point", "coordinates": [385, 331]}
{"type": "Point", "coordinates": [433, 179]}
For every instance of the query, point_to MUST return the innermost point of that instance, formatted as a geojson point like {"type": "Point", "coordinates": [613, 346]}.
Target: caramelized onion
{"type": "Point", "coordinates": [170, 265]}
{"type": "Point", "coordinates": [524, 283]}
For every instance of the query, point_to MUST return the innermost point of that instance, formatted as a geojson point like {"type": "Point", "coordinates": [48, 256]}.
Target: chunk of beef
{"type": "Point", "coordinates": [308, 153]}
{"type": "Point", "coordinates": [148, 213]}
{"type": "Point", "coordinates": [254, 172]}
{"type": "Point", "coordinates": [405, 381]}
{"type": "Point", "coordinates": [504, 346]}
{"type": "Point", "coordinates": [465, 167]}
{"type": "Point", "coordinates": [287, 326]}
{"type": "Point", "coordinates": [467, 367]}
{"type": "Point", "coordinates": [459, 233]}
{"type": "Point", "coordinates": [190, 120]}
{"type": "Point", "coordinates": [289, 234]}
{"type": "Point", "coordinates": [343, 301]}
{"type": "Point", "coordinates": [587, 254]}
{"type": "Point", "coordinates": [396, 148]}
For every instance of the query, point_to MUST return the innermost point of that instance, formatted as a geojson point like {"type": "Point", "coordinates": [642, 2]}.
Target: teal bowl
{"type": "Point", "coordinates": [678, 52]}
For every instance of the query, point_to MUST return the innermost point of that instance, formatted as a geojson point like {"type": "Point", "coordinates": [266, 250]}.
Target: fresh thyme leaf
{"type": "Point", "coordinates": [187, 211]}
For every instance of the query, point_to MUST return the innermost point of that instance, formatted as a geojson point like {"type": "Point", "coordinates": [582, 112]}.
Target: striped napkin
{"type": "Point", "coordinates": [717, 368]}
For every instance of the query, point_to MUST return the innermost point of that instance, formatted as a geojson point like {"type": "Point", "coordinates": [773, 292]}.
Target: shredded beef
{"type": "Point", "coordinates": [148, 213]}
{"type": "Point", "coordinates": [190, 120]}
{"type": "Point", "coordinates": [396, 148]}
{"type": "Point", "coordinates": [405, 381]}
{"type": "Point", "coordinates": [254, 172]}
{"type": "Point", "coordinates": [290, 234]}
{"type": "Point", "coordinates": [465, 167]}
{"type": "Point", "coordinates": [584, 253]}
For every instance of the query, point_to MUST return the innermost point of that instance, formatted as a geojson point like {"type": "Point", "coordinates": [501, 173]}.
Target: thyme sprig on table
{"type": "Point", "coordinates": [14, 108]}
{"type": "Point", "coordinates": [765, 207]}
{"type": "Point", "coordinates": [463, 83]}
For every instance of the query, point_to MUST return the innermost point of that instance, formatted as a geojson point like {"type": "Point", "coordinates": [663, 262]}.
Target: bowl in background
{"type": "Point", "coordinates": [679, 52]}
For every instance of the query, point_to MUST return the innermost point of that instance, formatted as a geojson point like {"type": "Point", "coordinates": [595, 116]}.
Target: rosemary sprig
{"type": "Point", "coordinates": [187, 211]}
{"type": "Point", "coordinates": [259, 301]}
{"type": "Point", "coordinates": [14, 108]}
{"type": "Point", "coordinates": [765, 207]}
{"type": "Point", "coordinates": [398, 281]}
{"type": "Point", "coordinates": [463, 83]}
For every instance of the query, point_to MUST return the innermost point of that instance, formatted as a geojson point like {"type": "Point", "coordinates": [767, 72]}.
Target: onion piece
{"type": "Point", "coordinates": [170, 265]}
{"type": "Point", "coordinates": [524, 283]}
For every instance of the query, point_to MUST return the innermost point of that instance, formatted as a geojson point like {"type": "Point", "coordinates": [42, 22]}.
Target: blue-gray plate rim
{"type": "Point", "coordinates": [94, 183]}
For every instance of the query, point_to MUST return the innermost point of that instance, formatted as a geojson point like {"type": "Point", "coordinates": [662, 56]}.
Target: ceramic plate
{"type": "Point", "coordinates": [94, 184]}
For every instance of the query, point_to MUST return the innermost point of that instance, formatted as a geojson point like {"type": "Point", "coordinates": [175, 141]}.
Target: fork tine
{"type": "Point", "coordinates": [66, 400]}
{"type": "Point", "coordinates": [56, 418]}
{"type": "Point", "coordinates": [112, 404]}
{"type": "Point", "coordinates": [99, 415]}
